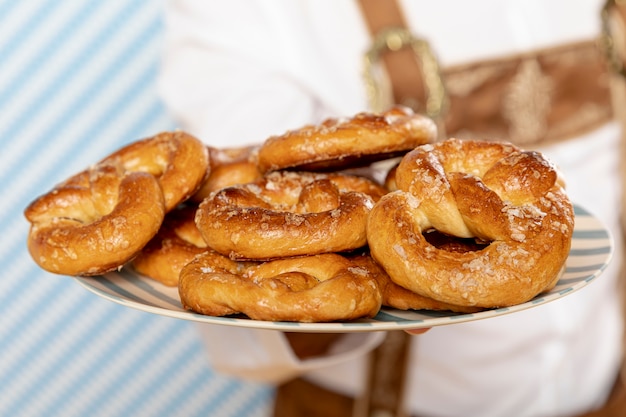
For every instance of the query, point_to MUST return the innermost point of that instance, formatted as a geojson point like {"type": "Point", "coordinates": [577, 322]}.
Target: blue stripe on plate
{"type": "Point", "coordinates": [580, 211]}
{"type": "Point", "coordinates": [583, 268]}
{"type": "Point", "coordinates": [131, 278]}
{"type": "Point", "coordinates": [590, 234]}
{"type": "Point", "coordinates": [358, 324]}
{"type": "Point", "coordinates": [601, 250]}
{"type": "Point", "coordinates": [386, 317]}
{"type": "Point", "coordinates": [463, 316]}
{"type": "Point", "coordinates": [572, 281]}
{"type": "Point", "coordinates": [121, 292]}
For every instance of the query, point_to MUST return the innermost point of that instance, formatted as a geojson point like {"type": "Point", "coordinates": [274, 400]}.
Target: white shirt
{"type": "Point", "coordinates": [236, 72]}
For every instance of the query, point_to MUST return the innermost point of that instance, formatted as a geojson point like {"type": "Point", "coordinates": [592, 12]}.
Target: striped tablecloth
{"type": "Point", "coordinates": [78, 80]}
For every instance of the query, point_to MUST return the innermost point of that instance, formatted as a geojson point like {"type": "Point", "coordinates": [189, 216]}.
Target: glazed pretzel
{"type": "Point", "coordinates": [175, 245]}
{"type": "Point", "coordinates": [393, 295]}
{"type": "Point", "coordinates": [318, 288]}
{"type": "Point", "coordinates": [177, 159]}
{"type": "Point", "coordinates": [229, 166]}
{"type": "Point", "coordinates": [510, 200]}
{"type": "Point", "coordinates": [344, 143]}
{"type": "Point", "coordinates": [288, 214]}
{"type": "Point", "coordinates": [94, 222]}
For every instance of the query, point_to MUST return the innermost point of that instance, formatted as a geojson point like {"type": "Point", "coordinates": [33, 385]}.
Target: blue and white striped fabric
{"type": "Point", "coordinates": [77, 80]}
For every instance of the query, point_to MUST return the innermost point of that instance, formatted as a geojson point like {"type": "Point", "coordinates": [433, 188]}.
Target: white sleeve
{"type": "Point", "coordinates": [222, 70]}
{"type": "Point", "coordinates": [266, 356]}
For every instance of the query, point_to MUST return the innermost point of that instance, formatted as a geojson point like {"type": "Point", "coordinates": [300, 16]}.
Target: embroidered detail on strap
{"type": "Point", "coordinates": [527, 101]}
{"type": "Point", "coordinates": [538, 97]}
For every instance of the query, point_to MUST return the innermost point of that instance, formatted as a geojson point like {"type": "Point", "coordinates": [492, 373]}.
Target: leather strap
{"type": "Point", "coordinates": [539, 97]}
{"type": "Point", "coordinates": [384, 392]}
{"type": "Point", "coordinates": [533, 98]}
{"type": "Point", "coordinates": [614, 43]}
{"type": "Point", "coordinates": [402, 67]}
{"type": "Point", "coordinates": [386, 382]}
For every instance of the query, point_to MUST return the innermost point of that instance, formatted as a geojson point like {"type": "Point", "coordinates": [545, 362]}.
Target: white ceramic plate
{"type": "Point", "coordinates": [592, 249]}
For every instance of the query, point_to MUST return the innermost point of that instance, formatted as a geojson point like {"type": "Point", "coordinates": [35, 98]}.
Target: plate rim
{"type": "Point", "coordinates": [382, 321]}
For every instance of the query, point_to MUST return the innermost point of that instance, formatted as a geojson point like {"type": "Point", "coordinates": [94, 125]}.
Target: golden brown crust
{"type": "Point", "coordinates": [319, 288]}
{"type": "Point", "coordinates": [393, 295]}
{"type": "Point", "coordinates": [495, 192]}
{"type": "Point", "coordinates": [179, 160]}
{"type": "Point", "coordinates": [510, 203]}
{"type": "Point", "coordinates": [175, 245]}
{"type": "Point", "coordinates": [229, 166]}
{"type": "Point", "coordinates": [94, 222]}
{"type": "Point", "coordinates": [390, 179]}
{"type": "Point", "coordinates": [343, 143]}
{"type": "Point", "coordinates": [288, 214]}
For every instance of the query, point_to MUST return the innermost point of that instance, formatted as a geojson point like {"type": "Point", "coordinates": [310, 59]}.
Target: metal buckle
{"type": "Point", "coordinates": [393, 39]}
{"type": "Point", "coordinates": [607, 40]}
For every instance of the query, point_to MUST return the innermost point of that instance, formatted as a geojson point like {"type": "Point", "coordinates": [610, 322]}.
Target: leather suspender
{"type": "Point", "coordinates": [614, 43]}
{"type": "Point", "coordinates": [388, 363]}
{"type": "Point", "coordinates": [386, 382]}
{"type": "Point", "coordinates": [402, 66]}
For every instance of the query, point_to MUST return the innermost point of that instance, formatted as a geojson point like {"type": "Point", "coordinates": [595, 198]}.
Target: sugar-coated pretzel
{"type": "Point", "coordinates": [94, 222]}
{"type": "Point", "coordinates": [179, 160]}
{"type": "Point", "coordinates": [347, 142]}
{"type": "Point", "coordinates": [288, 214]}
{"type": "Point", "coordinates": [512, 201]}
{"type": "Point", "coordinates": [175, 245]}
{"type": "Point", "coordinates": [320, 288]}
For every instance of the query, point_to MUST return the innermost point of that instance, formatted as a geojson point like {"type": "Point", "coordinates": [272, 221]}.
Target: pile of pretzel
{"type": "Point", "coordinates": [324, 223]}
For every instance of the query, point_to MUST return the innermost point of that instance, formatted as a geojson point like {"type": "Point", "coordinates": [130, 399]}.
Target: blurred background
{"type": "Point", "coordinates": [77, 81]}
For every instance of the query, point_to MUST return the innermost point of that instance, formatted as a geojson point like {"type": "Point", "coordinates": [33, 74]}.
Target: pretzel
{"type": "Point", "coordinates": [175, 245]}
{"type": "Point", "coordinates": [288, 214]}
{"type": "Point", "coordinates": [341, 143]}
{"type": "Point", "coordinates": [399, 297]}
{"type": "Point", "coordinates": [320, 288]}
{"type": "Point", "coordinates": [229, 166]}
{"type": "Point", "coordinates": [177, 159]}
{"type": "Point", "coordinates": [511, 201]}
{"type": "Point", "coordinates": [390, 179]}
{"type": "Point", "coordinates": [95, 221]}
